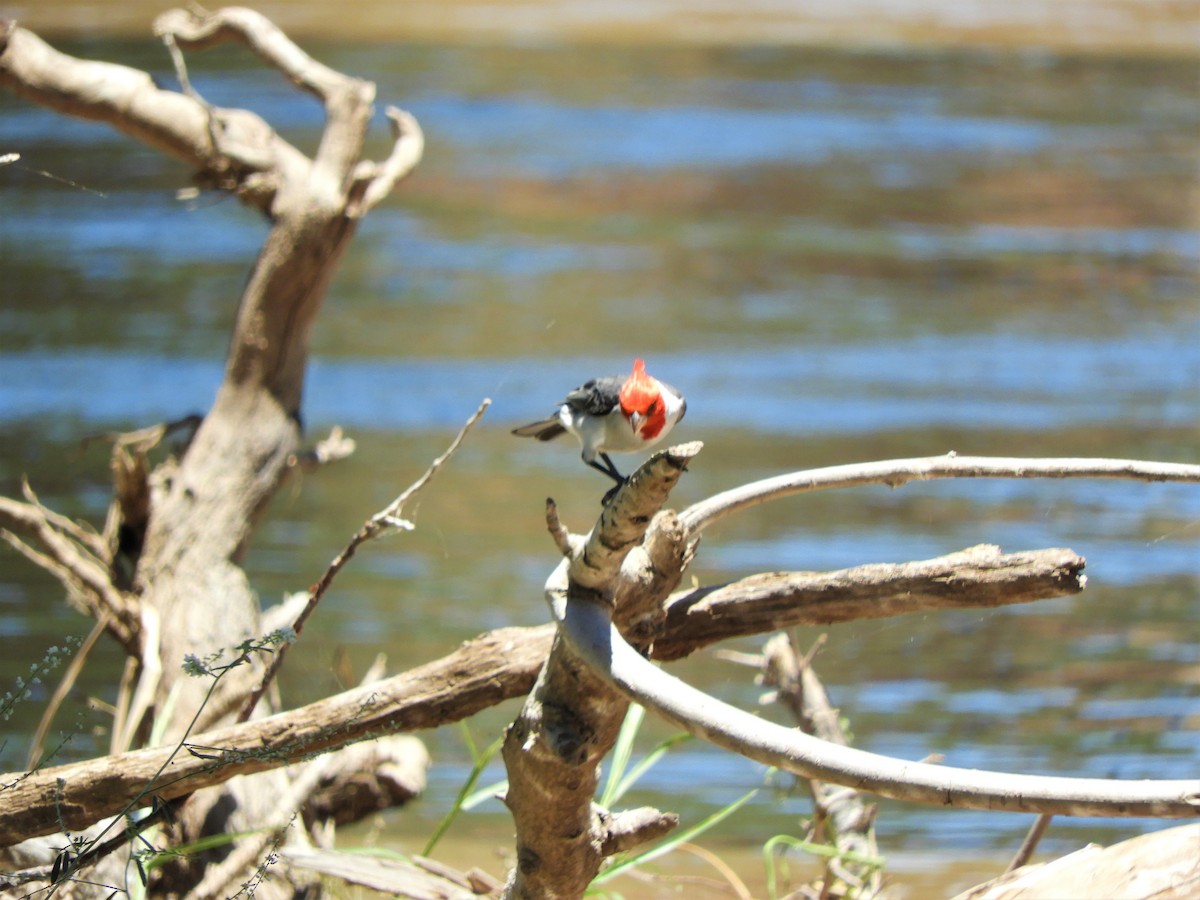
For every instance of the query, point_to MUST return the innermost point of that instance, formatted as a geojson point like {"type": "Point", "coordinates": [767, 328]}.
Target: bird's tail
{"type": "Point", "coordinates": [545, 430]}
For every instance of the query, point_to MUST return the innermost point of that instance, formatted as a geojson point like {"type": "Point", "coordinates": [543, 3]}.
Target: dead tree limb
{"type": "Point", "coordinates": [898, 472]}
{"type": "Point", "coordinates": [977, 577]}
{"type": "Point", "coordinates": [570, 721]}
{"type": "Point", "coordinates": [846, 817]}
{"type": "Point", "coordinates": [492, 668]}
{"type": "Point", "coordinates": [202, 510]}
{"type": "Point", "coordinates": [588, 628]}
{"type": "Point", "coordinates": [500, 665]}
{"type": "Point", "coordinates": [483, 672]}
{"type": "Point", "coordinates": [73, 555]}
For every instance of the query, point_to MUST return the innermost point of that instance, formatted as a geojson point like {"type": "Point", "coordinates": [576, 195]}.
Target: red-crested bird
{"type": "Point", "coordinates": [617, 414]}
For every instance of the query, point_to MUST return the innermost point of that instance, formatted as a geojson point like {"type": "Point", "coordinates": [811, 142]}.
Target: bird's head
{"type": "Point", "coordinates": [642, 402]}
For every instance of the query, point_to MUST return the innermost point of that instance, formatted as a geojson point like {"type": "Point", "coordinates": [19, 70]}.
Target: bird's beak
{"type": "Point", "coordinates": [635, 422]}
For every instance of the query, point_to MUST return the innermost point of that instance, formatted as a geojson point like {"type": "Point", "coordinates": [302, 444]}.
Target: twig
{"type": "Point", "coordinates": [150, 662]}
{"type": "Point", "coordinates": [387, 520]}
{"type": "Point", "coordinates": [181, 72]}
{"type": "Point", "coordinates": [1029, 845]}
{"type": "Point", "coordinates": [69, 557]}
{"type": "Point", "coordinates": [64, 687]}
{"type": "Point", "coordinates": [558, 531]}
{"type": "Point", "coordinates": [898, 472]}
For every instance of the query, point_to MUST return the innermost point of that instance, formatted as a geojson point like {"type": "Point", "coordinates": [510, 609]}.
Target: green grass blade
{"type": "Point", "coordinates": [827, 851]}
{"type": "Point", "coordinates": [481, 761]}
{"type": "Point", "coordinates": [644, 765]}
{"type": "Point", "coordinates": [484, 794]}
{"type": "Point", "coordinates": [622, 751]}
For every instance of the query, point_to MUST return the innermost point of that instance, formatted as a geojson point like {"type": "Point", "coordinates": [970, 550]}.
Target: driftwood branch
{"type": "Point", "coordinates": [570, 721]}
{"type": "Point", "coordinates": [841, 811]}
{"type": "Point", "coordinates": [1162, 865]}
{"type": "Point", "coordinates": [235, 148]}
{"type": "Point", "coordinates": [416, 878]}
{"type": "Point", "coordinates": [375, 181]}
{"type": "Point", "coordinates": [75, 556]}
{"type": "Point", "coordinates": [494, 668]}
{"type": "Point", "coordinates": [483, 672]}
{"type": "Point", "coordinates": [898, 472]}
{"type": "Point", "coordinates": [978, 577]}
{"type": "Point", "coordinates": [588, 628]}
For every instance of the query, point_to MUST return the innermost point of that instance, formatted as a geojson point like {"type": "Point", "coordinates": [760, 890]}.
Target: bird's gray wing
{"type": "Point", "coordinates": [598, 397]}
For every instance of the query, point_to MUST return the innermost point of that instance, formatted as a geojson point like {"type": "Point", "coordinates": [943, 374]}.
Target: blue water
{"type": "Point", "coordinates": [838, 257]}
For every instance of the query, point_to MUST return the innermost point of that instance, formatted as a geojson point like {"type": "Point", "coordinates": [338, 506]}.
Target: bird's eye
{"type": "Point", "coordinates": [653, 407]}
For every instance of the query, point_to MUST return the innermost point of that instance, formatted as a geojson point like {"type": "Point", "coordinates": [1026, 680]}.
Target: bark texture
{"type": "Point", "coordinates": [570, 721]}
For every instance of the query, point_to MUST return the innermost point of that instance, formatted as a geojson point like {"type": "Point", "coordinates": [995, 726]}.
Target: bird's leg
{"type": "Point", "coordinates": [611, 471]}
{"type": "Point", "coordinates": [608, 469]}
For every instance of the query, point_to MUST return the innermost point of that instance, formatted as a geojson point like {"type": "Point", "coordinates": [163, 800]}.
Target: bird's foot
{"type": "Point", "coordinates": [612, 492]}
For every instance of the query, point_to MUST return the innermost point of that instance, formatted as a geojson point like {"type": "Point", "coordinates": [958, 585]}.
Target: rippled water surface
{"type": "Point", "coordinates": [839, 256]}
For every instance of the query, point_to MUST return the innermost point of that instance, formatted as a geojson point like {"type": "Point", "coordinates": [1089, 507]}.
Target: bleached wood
{"type": "Point", "coordinates": [588, 628]}
{"type": "Point", "coordinates": [898, 472]}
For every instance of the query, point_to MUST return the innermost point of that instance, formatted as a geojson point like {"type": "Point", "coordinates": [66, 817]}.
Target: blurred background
{"type": "Point", "coordinates": [846, 231]}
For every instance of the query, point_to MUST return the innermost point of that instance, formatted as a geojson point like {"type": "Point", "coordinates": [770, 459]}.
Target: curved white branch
{"type": "Point", "coordinates": [898, 472]}
{"type": "Point", "coordinates": [589, 630]}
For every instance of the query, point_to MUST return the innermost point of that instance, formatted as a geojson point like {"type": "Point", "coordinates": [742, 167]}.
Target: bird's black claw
{"type": "Point", "coordinates": [612, 492]}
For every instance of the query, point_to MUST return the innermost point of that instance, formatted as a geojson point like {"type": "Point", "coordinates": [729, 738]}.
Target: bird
{"type": "Point", "coordinates": [614, 413]}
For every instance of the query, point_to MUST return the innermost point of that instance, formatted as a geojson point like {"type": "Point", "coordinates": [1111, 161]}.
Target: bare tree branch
{"type": "Point", "coordinates": [174, 123]}
{"type": "Point", "coordinates": [347, 100]}
{"type": "Point", "coordinates": [898, 472]}
{"type": "Point", "coordinates": [850, 818]}
{"type": "Point", "coordinates": [493, 667]}
{"type": "Point", "coordinates": [418, 879]}
{"type": "Point", "coordinates": [511, 676]}
{"type": "Point", "coordinates": [587, 626]}
{"type": "Point", "coordinates": [1162, 865]}
{"type": "Point", "coordinates": [68, 554]}
{"type": "Point", "coordinates": [375, 181]}
{"type": "Point", "coordinates": [977, 577]}
{"type": "Point", "coordinates": [514, 656]}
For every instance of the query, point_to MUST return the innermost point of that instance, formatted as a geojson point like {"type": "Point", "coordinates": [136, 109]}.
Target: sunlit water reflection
{"type": "Point", "coordinates": [839, 257]}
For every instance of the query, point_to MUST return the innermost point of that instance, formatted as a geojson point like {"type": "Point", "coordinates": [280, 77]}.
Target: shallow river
{"type": "Point", "coordinates": [839, 256]}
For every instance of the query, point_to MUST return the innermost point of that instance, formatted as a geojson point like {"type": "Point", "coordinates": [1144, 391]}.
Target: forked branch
{"type": "Point", "coordinates": [588, 628]}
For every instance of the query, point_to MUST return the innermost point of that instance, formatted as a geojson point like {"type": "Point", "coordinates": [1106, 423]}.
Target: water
{"type": "Point", "coordinates": [839, 256]}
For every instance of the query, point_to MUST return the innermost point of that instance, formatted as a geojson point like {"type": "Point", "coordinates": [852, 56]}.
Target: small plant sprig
{"type": "Point", "coordinates": [23, 688]}
{"type": "Point", "coordinates": [211, 666]}
{"type": "Point", "coordinates": [79, 854]}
